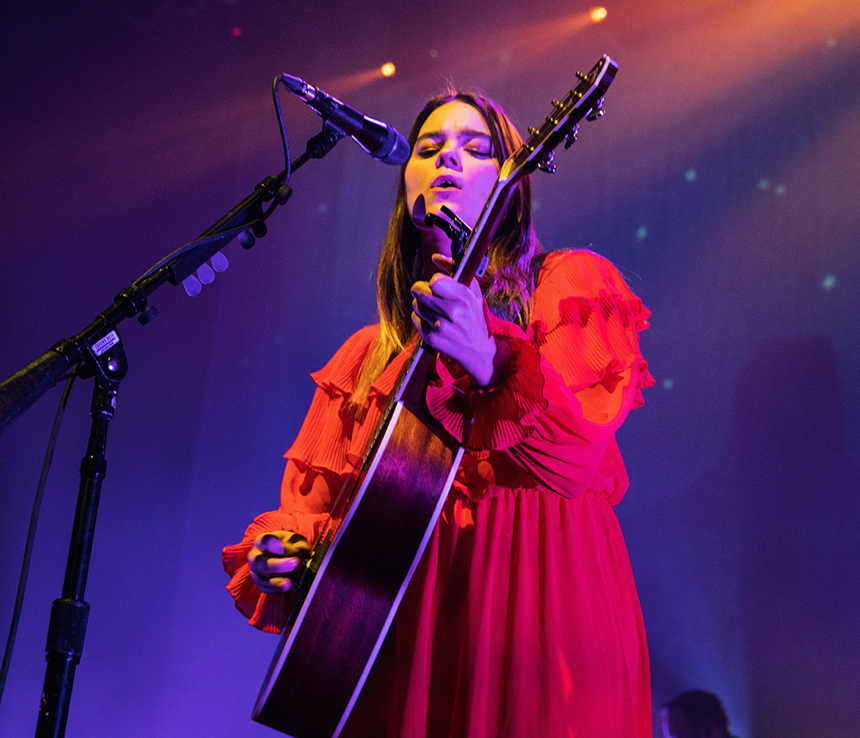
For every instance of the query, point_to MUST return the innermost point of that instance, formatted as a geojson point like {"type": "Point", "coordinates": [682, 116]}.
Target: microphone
{"type": "Point", "coordinates": [381, 141]}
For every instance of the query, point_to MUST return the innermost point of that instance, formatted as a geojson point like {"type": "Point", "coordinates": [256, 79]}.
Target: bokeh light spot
{"type": "Point", "coordinates": [691, 175]}
{"type": "Point", "coordinates": [829, 282]}
{"type": "Point", "coordinates": [642, 233]}
{"type": "Point", "coordinates": [598, 14]}
{"type": "Point", "coordinates": [388, 69]}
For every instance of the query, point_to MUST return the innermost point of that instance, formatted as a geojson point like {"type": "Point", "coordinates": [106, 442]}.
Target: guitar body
{"type": "Point", "coordinates": [388, 509]}
{"type": "Point", "coordinates": [395, 500]}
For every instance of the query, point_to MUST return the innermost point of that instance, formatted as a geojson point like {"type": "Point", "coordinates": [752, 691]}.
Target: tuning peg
{"type": "Point", "coordinates": [597, 111]}
{"type": "Point", "coordinates": [570, 138]}
{"type": "Point", "coordinates": [548, 165]}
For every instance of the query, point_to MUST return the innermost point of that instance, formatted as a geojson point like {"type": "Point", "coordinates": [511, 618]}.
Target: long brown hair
{"type": "Point", "coordinates": [510, 275]}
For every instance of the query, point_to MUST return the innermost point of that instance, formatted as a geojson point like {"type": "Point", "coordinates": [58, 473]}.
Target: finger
{"type": "Point", "coordinates": [280, 584]}
{"type": "Point", "coordinates": [429, 332]}
{"type": "Point", "coordinates": [267, 567]}
{"type": "Point", "coordinates": [445, 263]}
{"type": "Point", "coordinates": [430, 308]}
{"type": "Point", "coordinates": [421, 288]}
{"type": "Point", "coordinates": [448, 288]}
{"type": "Point", "coordinates": [299, 541]}
{"type": "Point", "coordinates": [421, 326]}
{"type": "Point", "coordinates": [272, 586]}
{"type": "Point", "coordinates": [271, 544]}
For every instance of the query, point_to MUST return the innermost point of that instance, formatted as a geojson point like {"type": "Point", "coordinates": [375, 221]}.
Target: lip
{"type": "Point", "coordinates": [441, 180]}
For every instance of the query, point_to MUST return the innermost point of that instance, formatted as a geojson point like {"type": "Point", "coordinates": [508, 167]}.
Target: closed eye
{"type": "Point", "coordinates": [482, 152]}
{"type": "Point", "coordinates": [426, 152]}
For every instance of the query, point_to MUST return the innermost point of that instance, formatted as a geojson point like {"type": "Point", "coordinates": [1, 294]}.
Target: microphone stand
{"type": "Point", "coordinates": [97, 351]}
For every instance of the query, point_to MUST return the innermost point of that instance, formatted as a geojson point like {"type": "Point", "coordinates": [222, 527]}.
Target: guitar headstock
{"type": "Point", "coordinates": [583, 101]}
{"type": "Point", "coordinates": [562, 124]}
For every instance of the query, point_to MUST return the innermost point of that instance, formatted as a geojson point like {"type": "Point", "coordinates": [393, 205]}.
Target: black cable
{"type": "Point", "coordinates": [31, 535]}
{"type": "Point", "coordinates": [37, 503]}
{"type": "Point", "coordinates": [283, 130]}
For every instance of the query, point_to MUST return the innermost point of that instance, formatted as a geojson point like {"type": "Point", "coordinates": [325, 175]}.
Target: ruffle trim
{"type": "Point", "coordinates": [339, 376]}
{"type": "Point", "coordinates": [587, 320]}
{"type": "Point", "coordinates": [333, 438]}
{"type": "Point", "coordinates": [496, 417]}
{"type": "Point", "coordinates": [644, 379]}
{"type": "Point", "coordinates": [266, 612]}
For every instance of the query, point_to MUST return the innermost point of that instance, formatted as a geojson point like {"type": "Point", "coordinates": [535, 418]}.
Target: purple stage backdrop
{"type": "Point", "coordinates": [724, 181]}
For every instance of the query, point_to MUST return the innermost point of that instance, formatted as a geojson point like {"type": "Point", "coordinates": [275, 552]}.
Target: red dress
{"type": "Point", "coordinates": [522, 618]}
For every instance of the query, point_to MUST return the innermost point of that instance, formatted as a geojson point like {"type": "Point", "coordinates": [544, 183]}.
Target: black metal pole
{"type": "Point", "coordinates": [69, 614]}
{"type": "Point", "coordinates": [100, 347]}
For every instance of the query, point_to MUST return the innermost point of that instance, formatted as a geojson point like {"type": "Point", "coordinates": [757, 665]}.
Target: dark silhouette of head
{"type": "Point", "coordinates": [695, 714]}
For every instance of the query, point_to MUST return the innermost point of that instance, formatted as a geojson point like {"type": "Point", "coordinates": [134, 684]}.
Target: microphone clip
{"type": "Point", "coordinates": [319, 145]}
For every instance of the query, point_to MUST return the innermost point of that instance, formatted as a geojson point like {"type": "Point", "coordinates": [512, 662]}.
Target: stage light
{"type": "Point", "coordinates": [387, 69]}
{"type": "Point", "coordinates": [598, 14]}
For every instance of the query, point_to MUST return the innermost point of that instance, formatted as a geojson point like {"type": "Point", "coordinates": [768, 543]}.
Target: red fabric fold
{"type": "Point", "coordinates": [499, 416]}
{"type": "Point", "coordinates": [586, 321]}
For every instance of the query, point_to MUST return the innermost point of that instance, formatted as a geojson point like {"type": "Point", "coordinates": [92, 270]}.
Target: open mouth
{"type": "Point", "coordinates": [444, 183]}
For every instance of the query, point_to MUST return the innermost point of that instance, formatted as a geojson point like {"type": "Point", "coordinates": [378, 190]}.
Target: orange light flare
{"type": "Point", "coordinates": [598, 14]}
{"type": "Point", "coordinates": [735, 54]}
{"type": "Point", "coordinates": [340, 86]}
{"type": "Point", "coordinates": [531, 41]}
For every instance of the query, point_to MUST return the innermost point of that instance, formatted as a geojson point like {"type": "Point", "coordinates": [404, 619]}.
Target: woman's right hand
{"type": "Point", "coordinates": [276, 560]}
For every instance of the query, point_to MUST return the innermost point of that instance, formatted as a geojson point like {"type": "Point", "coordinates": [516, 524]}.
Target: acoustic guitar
{"type": "Point", "coordinates": [389, 506]}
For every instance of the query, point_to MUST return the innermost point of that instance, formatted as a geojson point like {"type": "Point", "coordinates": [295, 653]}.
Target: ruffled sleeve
{"type": "Point", "coordinates": [267, 612]}
{"type": "Point", "coordinates": [498, 416]}
{"type": "Point", "coordinates": [573, 377]}
{"type": "Point", "coordinates": [330, 442]}
{"type": "Point", "coordinates": [586, 322]}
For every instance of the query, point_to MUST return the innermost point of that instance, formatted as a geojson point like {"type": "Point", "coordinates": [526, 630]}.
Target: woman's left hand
{"type": "Point", "coordinates": [450, 318]}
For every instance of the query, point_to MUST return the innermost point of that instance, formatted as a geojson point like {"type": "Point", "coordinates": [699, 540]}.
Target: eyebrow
{"type": "Point", "coordinates": [465, 133]}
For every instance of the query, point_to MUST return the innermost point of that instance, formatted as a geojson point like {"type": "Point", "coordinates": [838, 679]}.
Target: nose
{"type": "Point", "coordinates": [448, 157]}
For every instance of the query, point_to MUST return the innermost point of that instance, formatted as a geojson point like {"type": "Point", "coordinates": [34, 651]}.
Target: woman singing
{"type": "Point", "coordinates": [522, 618]}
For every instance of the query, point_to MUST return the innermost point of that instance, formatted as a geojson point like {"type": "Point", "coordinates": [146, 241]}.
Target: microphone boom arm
{"type": "Point", "coordinates": [245, 221]}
